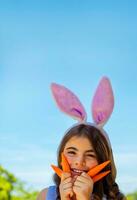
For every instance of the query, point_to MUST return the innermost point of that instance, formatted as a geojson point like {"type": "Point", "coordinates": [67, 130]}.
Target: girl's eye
{"type": "Point", "coordinates": [71, 152]}
{"type": "Point", "coordinates": [91, 155]}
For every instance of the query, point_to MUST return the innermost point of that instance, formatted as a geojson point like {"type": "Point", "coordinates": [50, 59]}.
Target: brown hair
{"type": "Point", "coordinates": [107, 185]}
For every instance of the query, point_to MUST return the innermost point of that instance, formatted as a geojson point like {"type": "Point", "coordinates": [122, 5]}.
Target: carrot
{"type": "Point", "coordinates": [57, 170]}
{"type": "Point", "coordinates": [64, 163]}
{"type": "Point", "coordinates": [65, 166]}
{"type": "Point", "coordinates": [92, 172]}
{"type": "Point", "coordinates": [100, 176]}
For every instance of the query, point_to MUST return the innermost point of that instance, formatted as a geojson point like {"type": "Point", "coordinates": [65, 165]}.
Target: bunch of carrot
{"type": "Point", "coordinates": [93, 173]}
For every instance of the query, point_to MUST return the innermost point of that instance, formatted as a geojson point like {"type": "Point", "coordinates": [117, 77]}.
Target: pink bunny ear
{"type": "Point", "coordinates": [68, 102]}
{"type": "Point", "coordinates": [103, 102]}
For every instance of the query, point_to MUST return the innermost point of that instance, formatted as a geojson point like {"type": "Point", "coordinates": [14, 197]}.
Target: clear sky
{"type": "Point", "coordinates": [73, 43]}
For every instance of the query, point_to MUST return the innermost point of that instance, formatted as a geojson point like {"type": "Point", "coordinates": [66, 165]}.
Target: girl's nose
{"type": "Point", "coordinates": [80, 162]}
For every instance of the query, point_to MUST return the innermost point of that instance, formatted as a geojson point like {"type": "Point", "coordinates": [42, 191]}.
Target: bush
{"type": "Point", "coordinates": [12, 188]}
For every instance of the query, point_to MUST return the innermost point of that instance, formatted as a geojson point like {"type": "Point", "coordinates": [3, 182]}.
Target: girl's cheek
{"type": "Point", "coordinates": [92, 164]}
{"type": "Point", "coordinates": [69, 159]}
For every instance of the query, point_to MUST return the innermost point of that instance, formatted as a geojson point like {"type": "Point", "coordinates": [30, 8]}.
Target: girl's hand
{"type": "Point", "coordinates": [65, 187]}
{"type": "Point", "coordinates": [83, 187]}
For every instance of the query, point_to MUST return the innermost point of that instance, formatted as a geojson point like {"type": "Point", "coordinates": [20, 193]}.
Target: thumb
{"type": "Point", "coordinates": [71, 194]}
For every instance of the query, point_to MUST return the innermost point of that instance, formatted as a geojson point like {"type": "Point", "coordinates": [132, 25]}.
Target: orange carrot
{"type": "Point", "coordinates": [64, 163]}
{"type": "Point", "coordinates": [92, 172]}
{"type": "Point", "coordinates": [57, 170]}
{"type": "Point", "coordinates": [100, 176]}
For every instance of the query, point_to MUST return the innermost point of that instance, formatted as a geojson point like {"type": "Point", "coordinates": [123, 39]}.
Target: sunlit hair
{"type": "Point", "coordinates": [103, 151]}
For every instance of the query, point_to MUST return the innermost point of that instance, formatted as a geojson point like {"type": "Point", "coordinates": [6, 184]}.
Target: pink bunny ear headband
{"type": "Point", "coordinates": [101, 108]}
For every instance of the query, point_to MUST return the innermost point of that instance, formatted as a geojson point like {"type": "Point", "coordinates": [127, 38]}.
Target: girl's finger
{"type": "Point", "coordinates": [65, 175]}
{"type": "Point", "coordinates": [67, 186]}
{"type": "Point", "coordinates": [67, 180]}
{"type": "Point", "coordinates": [78, 184]}
{"type": "Point", "coordinates": [83, 178]}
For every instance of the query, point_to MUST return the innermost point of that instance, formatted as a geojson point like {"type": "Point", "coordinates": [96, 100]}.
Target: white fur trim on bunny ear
{"type": "Point", "coordinates": [68, 102]}
{"type": "Point", "coordinates": [103, 102]}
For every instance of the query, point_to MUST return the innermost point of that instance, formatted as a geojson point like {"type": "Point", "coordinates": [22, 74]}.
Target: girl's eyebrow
{"type": "Point", "coordinates": [90, 151]}
{"type": "Point", "coordinates": [74, 148]}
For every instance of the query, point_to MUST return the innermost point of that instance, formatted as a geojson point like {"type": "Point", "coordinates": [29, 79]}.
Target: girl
{"type": "Point", "coordinates": [84, 145]}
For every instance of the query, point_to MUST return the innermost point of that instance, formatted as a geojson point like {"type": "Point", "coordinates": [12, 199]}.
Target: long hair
{"type": "Point", "coordinates": [107, 186]}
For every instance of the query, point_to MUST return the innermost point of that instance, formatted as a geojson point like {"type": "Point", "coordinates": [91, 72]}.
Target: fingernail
{"type": "Point", "coordinates": [71, 194]}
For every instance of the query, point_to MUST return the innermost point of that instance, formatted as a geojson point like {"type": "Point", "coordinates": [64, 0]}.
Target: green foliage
{"type": "Point", "coordinates": [132, 196]}
{"type": "Point", "coordinates": [12, 188]}
{"type": "Point", "coordinates": [7, 181]}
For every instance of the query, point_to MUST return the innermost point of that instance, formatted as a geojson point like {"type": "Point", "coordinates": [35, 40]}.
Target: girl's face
{"type": "Point", "coordinates": [80, 155]}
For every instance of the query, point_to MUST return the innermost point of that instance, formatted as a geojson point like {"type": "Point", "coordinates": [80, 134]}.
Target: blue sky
{"type": "Point", "coordinates": [73, 43]}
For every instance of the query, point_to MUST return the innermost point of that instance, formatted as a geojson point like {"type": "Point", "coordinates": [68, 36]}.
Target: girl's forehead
{"type": "Point", "coordinates": [79, 142]}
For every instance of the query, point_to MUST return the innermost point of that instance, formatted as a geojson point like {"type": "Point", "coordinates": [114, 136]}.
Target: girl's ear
{"type": "Point", "coordinates": [68, 102]}
{"type": "Point", "coordinates": [103, 102]}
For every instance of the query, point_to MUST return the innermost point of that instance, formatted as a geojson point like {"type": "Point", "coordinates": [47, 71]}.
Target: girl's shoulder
{"type": "Point", "coordinates": [47, 193]}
